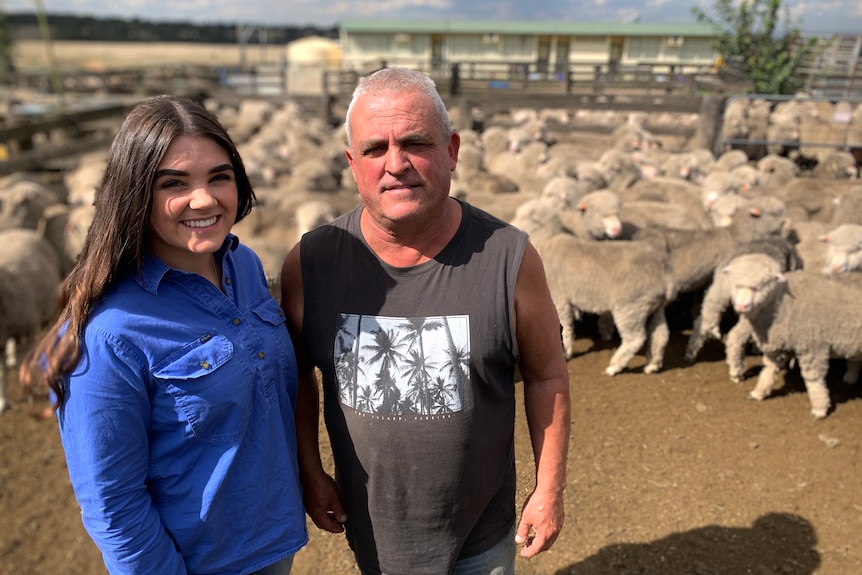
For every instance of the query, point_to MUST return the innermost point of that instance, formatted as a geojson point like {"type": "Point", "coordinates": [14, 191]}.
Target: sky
{"type": "Point", "coordinates": [819, 17]}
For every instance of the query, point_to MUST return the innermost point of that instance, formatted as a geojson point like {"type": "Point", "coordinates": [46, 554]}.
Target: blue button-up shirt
{"type": "Point", "coordinates": [178, 423]}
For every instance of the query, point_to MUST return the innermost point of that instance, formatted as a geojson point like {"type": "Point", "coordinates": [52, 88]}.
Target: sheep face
{"type": "Point", "coordinates": [843, 248]}
{"type": "Point", "coordinates": [753, 279]}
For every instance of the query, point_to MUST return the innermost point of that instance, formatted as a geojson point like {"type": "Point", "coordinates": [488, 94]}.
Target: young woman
{"type": "Point", "coordinates": [174, 375]}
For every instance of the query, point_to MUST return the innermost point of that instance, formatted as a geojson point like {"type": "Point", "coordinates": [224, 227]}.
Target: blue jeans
{"type": "Point", "coordinates": [278, 568]}
{"type": "Point", "coordinates": [498, 560]}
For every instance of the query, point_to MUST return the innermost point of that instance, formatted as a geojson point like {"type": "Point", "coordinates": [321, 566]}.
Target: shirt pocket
{"type": "Point", "coordinates": [268, 310]}
{"type": "Point", "coordinates": [208, 388]}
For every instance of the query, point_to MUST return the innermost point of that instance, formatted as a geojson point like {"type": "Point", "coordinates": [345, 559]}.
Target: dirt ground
{"type": "Point", "coordinates": [672, 473]}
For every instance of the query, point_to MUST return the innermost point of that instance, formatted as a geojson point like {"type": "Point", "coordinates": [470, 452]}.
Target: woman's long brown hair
{"type": "Point", "coordinates": [118, 234]}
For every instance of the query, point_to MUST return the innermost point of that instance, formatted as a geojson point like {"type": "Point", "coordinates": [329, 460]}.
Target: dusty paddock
{"type": "Point", "coordinates": [675, 473]}
{"type": "Point", "coordinates": [31, 55]}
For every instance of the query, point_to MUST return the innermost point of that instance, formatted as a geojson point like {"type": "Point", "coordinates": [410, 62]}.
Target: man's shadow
{"type": "Point", "coordinates": [776, 543]}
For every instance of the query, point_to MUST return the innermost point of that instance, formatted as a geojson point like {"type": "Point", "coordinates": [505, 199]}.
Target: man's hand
{"type": "Point", "coordinates": [541, 522]}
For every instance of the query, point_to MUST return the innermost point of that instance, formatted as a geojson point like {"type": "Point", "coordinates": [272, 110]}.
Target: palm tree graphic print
{"type": "Point", "coordinates": [403, 367]}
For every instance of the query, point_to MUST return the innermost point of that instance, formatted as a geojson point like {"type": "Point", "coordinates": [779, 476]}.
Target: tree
{"type": "Point", "coordinates": [749, 40]}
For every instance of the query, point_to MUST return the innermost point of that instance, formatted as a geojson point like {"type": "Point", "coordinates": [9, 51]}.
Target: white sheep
{"type": "Point", "coordinates": [596, 216]}
{"type": "Point", "coordinates": [22, 203]}
{"type": "Point", "coordinates": [695, 254]}
{"type": "Point", "coordinates": [29, 281]}
{"type": "Point", "coordinates": [629, 280]}
{"type": "Point", "coordinates": [807, 315]}
{"type": "Point", "coordinates": [843, 248]}
{"type": "Point", "coordinates": [716, 301]}
{"type": "Point", "coordinates": [313, 213]}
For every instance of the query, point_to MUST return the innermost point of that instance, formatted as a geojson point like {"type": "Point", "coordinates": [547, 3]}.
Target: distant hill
{"type": "Point", "coordinates": [24, 26]}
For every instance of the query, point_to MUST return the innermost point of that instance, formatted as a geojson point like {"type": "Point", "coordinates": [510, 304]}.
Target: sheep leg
{"type": "Point", "coordinates": [11, 353]}
{"type": "Point", "coordinates": [695, 340]}
{"type": "Point", "coordinates": [606, 327]}
{"type": "Point", "coordinates": [659, 334]}
{"type": "Point", "coordinates": [567, 324]}
{"type": "Point", "coordinates": [706, 324]}
{"type": "Point", "coordinates": [766, 378]}
{"type": "Point", "coordinates": [851, 373]}
{"type": "Point", "coordinates": [813, 368]}
{"type": "Point", "coordinates": [734, 349]}
{"type": "Point", "coordinates": [633, 335]}
{"type": "Point", "coordinates": [9, 361]}
{"type": "Point", "coordinates": [2, 389]}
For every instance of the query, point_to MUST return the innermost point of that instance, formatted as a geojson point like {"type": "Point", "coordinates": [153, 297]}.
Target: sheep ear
{"type": "Point", "coordinates": [823, 238]}
{"type": "Point", "coordinates": [725, 269]}
{"type": "Point", "coordinates": [755, 212]}
{"type": "Point", "coordinates": [781, 278]}
{"type": "Point", "coordinates": [582, 207]}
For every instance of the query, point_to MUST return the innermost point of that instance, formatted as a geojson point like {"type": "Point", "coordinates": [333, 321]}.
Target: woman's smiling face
{"type": "Point", "coordinates": [194, 202]}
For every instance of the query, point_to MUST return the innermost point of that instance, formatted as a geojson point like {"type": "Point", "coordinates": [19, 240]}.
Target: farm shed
{"type": "Point", "coordinates": [549, 48]}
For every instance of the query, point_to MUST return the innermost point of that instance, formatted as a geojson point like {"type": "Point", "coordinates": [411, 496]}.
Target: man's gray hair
{"type": "Point", "coordinates": [394, 81]}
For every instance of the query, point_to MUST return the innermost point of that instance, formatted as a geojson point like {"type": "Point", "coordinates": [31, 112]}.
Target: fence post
{"type": "Point", "coordinates": [455, 79]}
{"type": "Point", "coordinates": [710, 118]}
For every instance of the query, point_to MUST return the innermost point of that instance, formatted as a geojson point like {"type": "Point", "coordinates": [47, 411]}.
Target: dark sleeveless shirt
{"type": "Point", "coordinates": [418, 381]}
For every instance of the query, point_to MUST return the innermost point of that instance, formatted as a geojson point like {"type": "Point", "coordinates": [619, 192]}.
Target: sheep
{"type": "Point", "coordinates": [30, 276]}
{"type": "Point", "coordinates": [645, 214]}
{"type": "Point", "coordinates": [23, 202]}
{"type": "Point", "coordinates": [843, 248]}
{"type": "Point", "coordinates": [595, 217]}
{"type": "Point", "coordinates": [719, 183]}
{"type": "Point", "coordinates": [673, 191]}
{"type": "Point", "coordinates": [803, 314]}
{"type": "Point", "coordinates": [311, 214]}
{"type": "Point", "coordinates": [717, 299]}
{"type": "Point", "coordinates": [775, 171]}
{"type": "Point", "coordinates": [722, 210]}
{"type": "Point", "coordinates": [734, 124]}
{"type": "Point", "coordinates": [82, 182]}
{"type": "Point", "coordinates": [731, 159]}
{"type": "Point", "coordinates": [694, 254]}
{"type": "Point", "coordinates": [848, 207]}
{"type": "Point", "coordinates": [629, 280]}
{"type": "Point", "coordinates": [472, 175]}
{"type": "Point", "coordinates": [854, 134]}
{"type": "Point", "coordinates": [836, 165]}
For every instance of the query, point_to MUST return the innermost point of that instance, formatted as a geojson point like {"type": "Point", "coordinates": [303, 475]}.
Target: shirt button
{"type": "Point", "coordinates": [205, 365]}
{"type": "Point", "coordinates": [261, 355]}
{"type": "Point", "coordinates": [227, 280]}
{"type": "Point", "coordinates": [235, 321]}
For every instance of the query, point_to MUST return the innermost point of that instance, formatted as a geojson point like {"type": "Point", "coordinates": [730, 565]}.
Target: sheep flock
{"type": "Point", "coordinates": [758, 245]}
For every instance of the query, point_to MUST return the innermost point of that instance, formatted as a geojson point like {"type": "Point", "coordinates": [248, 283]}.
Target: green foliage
{"type": "Point", "coordinates": [749, 40]}
{"type": "Point", "coordinates": [7, 63]}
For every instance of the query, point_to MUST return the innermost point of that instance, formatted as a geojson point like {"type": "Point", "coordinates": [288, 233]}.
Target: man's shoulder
{"type": "Point", "coordinates": [487, 218]}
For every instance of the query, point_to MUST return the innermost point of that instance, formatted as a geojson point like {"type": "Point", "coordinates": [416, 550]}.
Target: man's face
{"type": "Point", "coordinates": [400, 161]}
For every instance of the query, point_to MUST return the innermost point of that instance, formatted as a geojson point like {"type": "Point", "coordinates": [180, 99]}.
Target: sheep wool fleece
{"type": "Point", "coordinates": [418, 382]}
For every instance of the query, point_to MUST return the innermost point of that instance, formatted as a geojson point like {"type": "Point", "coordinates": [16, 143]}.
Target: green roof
{"type": "Point", "coordinates": [524, 27]}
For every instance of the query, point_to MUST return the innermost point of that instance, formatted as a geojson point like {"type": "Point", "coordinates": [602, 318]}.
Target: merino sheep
{"type": "Point", "coordinates": [804, 314]}
{"type": "Point", "coordinates": [695, 254]}
{"type": "Point", "coordinates": [23, 202]}
{"type": "Point", "coordinates": [29, 280]}
{"type": "Point", "coordinates": [717, 300]}
{"type": "Point", "coordinates": [843, 248]}
{"type": "Point", "coordinates": [311, 214]}
{"type": "Point", "coordinates": [629, 280]}
{"type": "Point", "coordinates": [596, 216]}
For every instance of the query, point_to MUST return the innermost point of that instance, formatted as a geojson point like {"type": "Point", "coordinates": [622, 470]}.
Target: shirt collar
{"type": "Point", "coordinates": [153, 270]}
